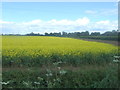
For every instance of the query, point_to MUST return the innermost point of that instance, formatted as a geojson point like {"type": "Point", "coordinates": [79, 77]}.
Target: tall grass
{"type": "Point", "coordinates": [84, 77]}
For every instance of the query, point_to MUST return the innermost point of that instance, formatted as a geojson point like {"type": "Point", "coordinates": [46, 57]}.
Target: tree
{"type": "Point", "coordinates": [64, 33]}
{"type": "Point", "coordinates": [86, 33]}
{"type": "Point", "coordinates": [46, 34]}
{"type": "Point", "coordinates": [95, 33]}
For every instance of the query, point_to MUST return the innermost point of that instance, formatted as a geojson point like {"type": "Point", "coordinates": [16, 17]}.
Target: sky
{"type": "Point", "coordinates": [41, 17]}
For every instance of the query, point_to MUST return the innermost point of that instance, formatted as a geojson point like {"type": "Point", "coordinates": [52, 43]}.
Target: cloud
{"type": "Point", "coordinates": [40, 26]}
{"type": "Point", "coordinates": [106, 22]}
{"type": "Point", "coordinates": [104, 25]}
{"type": "Point", "coordinates": [109, 12]}
{"type": "Point", "coordinates": [5, 22]}
{"type": "Point", "coordinates": [90, 12]}
{"type": "Point", "coordinates": [83, 21]}
{"type": "Point", "coordinates": [33, 22]}
{"type": "Point", "coordinates": [105, 12]}
{"type": "Point", "coordinates": [79, 21]}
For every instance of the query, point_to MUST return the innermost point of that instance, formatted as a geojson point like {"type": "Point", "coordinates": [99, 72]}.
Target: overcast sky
{"type": "Point", "coordinates": [41, 17]}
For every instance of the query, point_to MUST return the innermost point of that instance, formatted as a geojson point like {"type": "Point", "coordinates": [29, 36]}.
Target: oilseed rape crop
{"type": "Point", "coordinates": [38, 50]}
{"type": "Point", "coordinates": [57, 62]}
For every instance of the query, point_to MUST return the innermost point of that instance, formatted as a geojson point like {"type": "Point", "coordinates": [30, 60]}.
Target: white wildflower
{"type": "Point", "coordinates": [37, 82]}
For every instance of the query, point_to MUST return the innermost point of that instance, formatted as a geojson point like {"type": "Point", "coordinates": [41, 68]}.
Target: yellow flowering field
{"type": "Point", "coordinates": [31, 48]}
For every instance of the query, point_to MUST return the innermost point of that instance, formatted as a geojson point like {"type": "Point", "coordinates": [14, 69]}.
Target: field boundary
{"type": "Point", "coordinates": [116, 43]}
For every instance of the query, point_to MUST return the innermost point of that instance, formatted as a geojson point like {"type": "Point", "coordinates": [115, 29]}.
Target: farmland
{"type": "Point", "coordinates": [50, 62]}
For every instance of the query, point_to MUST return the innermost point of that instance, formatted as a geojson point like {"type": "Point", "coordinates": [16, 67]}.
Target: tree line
{"type": "Point", "coordinates": [73, 34]}
{"type": "Point", "coordinates": [108, 35]}
{"type": "Point", "coordinates": [76, 34]}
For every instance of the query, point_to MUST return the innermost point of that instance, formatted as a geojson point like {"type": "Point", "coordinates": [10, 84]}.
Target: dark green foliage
{"type": "Point", "coordinates": [41, 60]}
{"type": "Point", "coordinates": [111, 38]}
{"type": "Point", "coordinates": [96, 77]}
